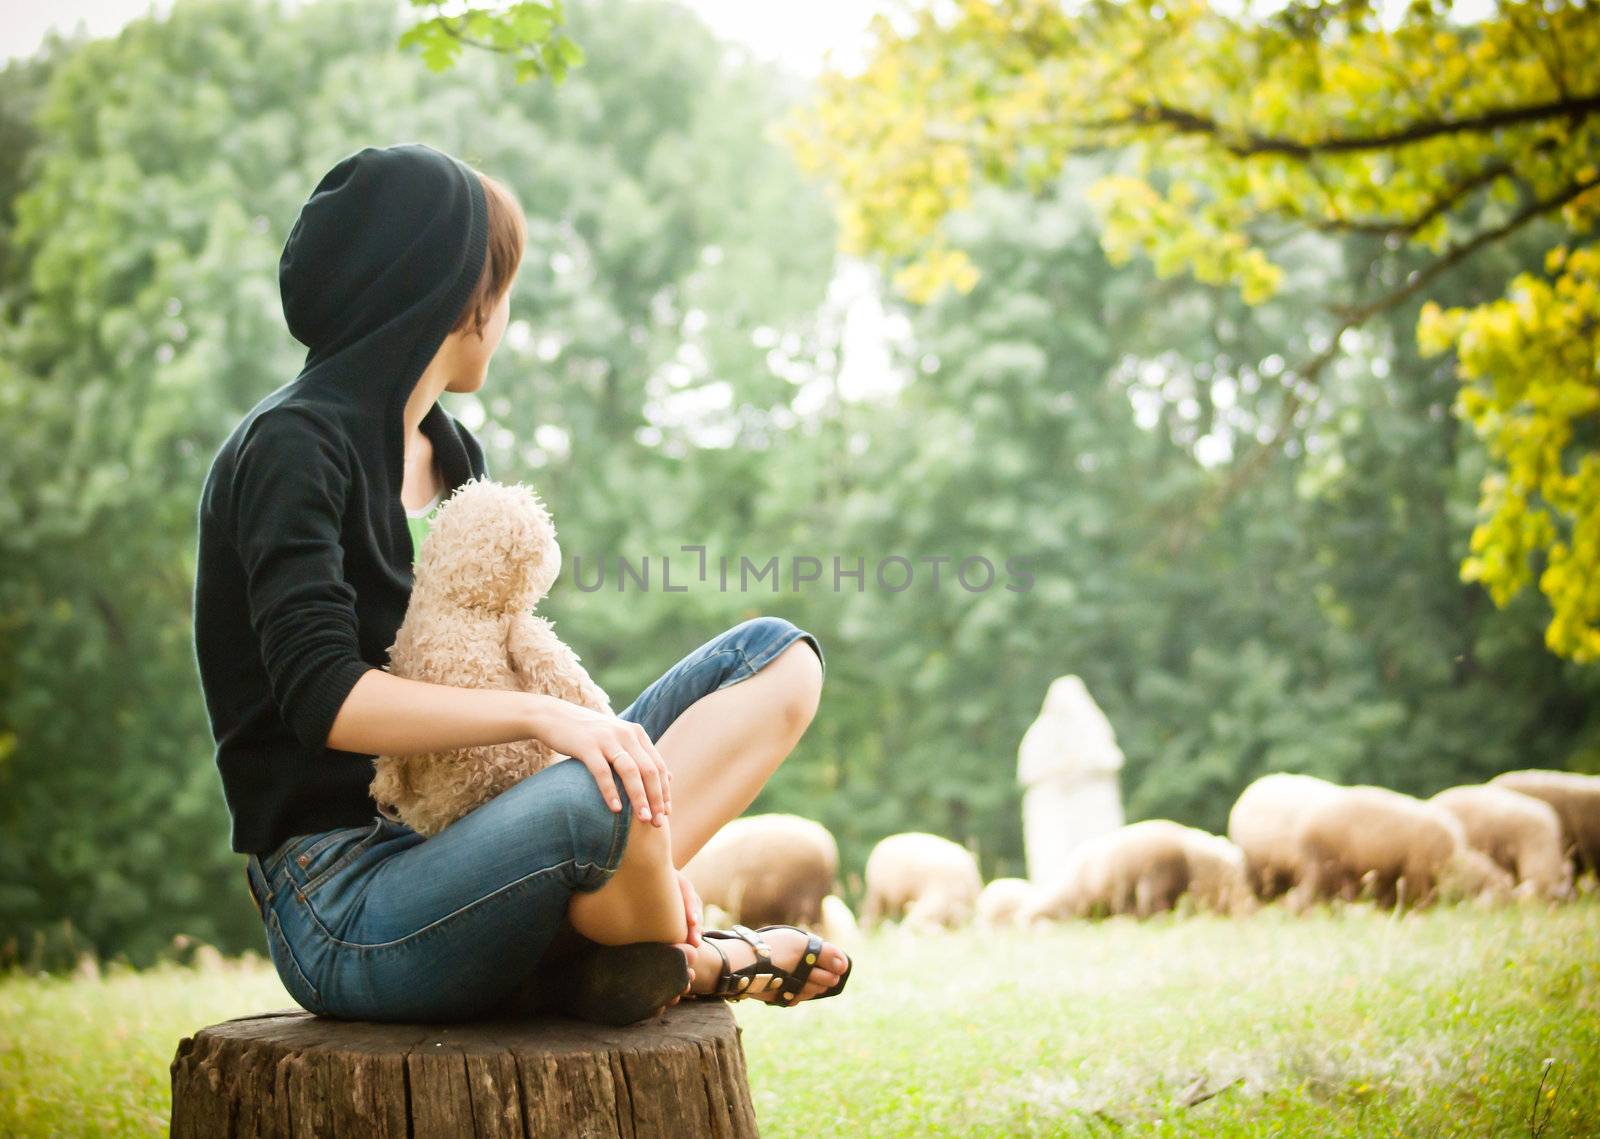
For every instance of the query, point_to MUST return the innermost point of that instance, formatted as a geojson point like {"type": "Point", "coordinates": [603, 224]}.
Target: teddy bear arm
{"type": "Point", "coordinates": [576, 683]}
{"type": "Point", "coordinates": [591, 695]}
{"type": "Point", "coordinates": [542, 662]}
{"type": "Point", "coordinates": [527, 649]}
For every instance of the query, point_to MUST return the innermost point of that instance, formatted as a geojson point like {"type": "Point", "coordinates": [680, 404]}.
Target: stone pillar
{"type": "Point", "coordinates": [1067, 763]}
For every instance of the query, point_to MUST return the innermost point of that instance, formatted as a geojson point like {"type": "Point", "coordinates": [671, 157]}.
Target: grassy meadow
{"type": "Point", "coordinates": [1456, 1022]}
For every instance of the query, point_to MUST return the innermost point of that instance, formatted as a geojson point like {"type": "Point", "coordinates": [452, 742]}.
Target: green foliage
{"type": "Point", "coordinates": [1536, 352]}
{"type": "Point", "coordinates": [1441, 135]}
{"type": "Point", "coordinates": [527, 31]}
{"type": "Point", "coordinates": [1315, 627]}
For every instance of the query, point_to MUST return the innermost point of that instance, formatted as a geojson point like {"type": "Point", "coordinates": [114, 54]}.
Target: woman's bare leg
{"type": "Point", "coordinates": [725, 746]}
{"type": "Point", "coordinates": [641, 901]}
{"type": "Point", "coordinates": [721, 750]}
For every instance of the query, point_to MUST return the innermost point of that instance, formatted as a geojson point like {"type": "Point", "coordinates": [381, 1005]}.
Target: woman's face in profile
{"type": "Point", "coordinates": [469, 355]}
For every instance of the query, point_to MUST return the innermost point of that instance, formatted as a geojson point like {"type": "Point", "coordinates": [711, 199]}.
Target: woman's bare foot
{"type": "Point", "coordinates": [787, 945]}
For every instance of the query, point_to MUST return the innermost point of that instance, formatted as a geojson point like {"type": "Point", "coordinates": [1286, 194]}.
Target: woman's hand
{"type": "Point", "coordinates": [601, 741]}
{"type": "Point", "coordinates": [692, 907]}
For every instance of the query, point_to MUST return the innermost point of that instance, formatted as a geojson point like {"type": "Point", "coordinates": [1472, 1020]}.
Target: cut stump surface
{"type": "Point", "coordinates": [290, 1073]}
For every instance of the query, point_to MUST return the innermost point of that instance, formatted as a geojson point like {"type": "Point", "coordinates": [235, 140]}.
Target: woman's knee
{"type": "Point", "coordinates": [796, 668]}
{"type": "Point", "coordinates": [756, 633]}
{"type": "Point", "coordinates": [801, 670]}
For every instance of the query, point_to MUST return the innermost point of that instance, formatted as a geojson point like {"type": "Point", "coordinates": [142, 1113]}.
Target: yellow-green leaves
{"type": "Point", "coordinates": [1180, 234]}
{"type": "Point", "coordinates": [1530, 385]}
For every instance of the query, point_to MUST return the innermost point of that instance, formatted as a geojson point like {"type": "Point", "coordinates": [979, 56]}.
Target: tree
{"type": "Point", "coordinates": [139, 319]}
{"type": "Point", "coordinates": [1429, 139]}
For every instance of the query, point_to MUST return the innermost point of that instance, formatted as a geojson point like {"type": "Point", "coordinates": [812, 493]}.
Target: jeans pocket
{"type": "Point", "coordinates": [329, 852]}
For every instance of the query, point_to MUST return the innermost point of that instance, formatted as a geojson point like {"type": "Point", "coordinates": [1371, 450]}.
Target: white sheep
{"type": "Point", "coordinates": [1472, 876]}
{"type": "Point", "coordinates": [1218, 876]}
{"type": "Point", "coordinates": [1263, 823]}
{"type": "Point", "coordinates": [1001, 900]}
{"type": "Point", "coordinates": [1576, 799]}
{"type": "Point", "coordinates": [1372, 837]}
{"type": "Point", "coordinates": [1520, 833]}
{"type": "Point", "coordinates": [838, 923]}
{"type": "Point", "coordinates": [928, 880]}
{"type": "Point", "coordinates": [767, 869]}
{"type": "Point", "coordinates": [1143, 869]}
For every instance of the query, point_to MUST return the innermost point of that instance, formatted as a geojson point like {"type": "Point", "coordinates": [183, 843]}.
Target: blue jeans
{"type": "Point", "coordinates": [376, 922]}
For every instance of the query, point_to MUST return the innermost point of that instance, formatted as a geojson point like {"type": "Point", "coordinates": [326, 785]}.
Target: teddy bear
{"type": "Point", "coordinates": [490, 555]}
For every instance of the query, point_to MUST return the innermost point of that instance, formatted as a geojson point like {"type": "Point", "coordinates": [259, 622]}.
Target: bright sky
{"type": "Point", "coordinates": [800, 33]}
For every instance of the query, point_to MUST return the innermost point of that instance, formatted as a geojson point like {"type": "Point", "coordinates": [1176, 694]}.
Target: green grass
{"type": "Point", "coordinates": [1334, 1024]}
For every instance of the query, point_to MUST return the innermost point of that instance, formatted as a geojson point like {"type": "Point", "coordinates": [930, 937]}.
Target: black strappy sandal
{"type": "Point", "coordinates": [737, 984]}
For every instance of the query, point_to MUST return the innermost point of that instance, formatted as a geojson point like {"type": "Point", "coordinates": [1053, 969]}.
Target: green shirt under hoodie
{"type": "Point", "coordinates": [419, 521]}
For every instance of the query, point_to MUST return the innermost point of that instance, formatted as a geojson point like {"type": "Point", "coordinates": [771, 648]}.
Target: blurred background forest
{"type": "Point", "coordinates": [672, 376]}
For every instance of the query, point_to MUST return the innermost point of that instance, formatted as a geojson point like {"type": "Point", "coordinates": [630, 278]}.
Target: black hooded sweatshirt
{"type": "Point", "coordinates": [303, 568]}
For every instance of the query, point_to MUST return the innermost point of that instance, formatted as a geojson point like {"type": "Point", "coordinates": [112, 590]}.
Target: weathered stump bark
{"type": "Point", "coordinates": [289, 1073]}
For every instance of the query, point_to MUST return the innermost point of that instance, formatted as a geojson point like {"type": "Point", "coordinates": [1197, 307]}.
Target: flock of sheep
{"type": "Point", "coordinates": [1523, 835]}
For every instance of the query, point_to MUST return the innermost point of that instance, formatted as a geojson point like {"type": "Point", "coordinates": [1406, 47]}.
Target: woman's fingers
{"type": "Point", "coordinates": [691, 905]}
{"type": "Point", "coordinates": [647, 748]}
{"type": "Point", "coordinates": [633, 780]}
{"type": "Point", "coordinates": [649, 774]}
{"type": "Point", "coordinates": [601, 770]}
{"type": "Point", "coordinates": [624, 747]}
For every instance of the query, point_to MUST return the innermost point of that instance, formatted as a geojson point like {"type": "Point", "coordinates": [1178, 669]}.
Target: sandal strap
{"type": "Point", "coordinates": [737, 984]}
{"type": "Point", "coordinates": [722, 970]}
{"type": "Point", "coordinates": [796, 978]}
{"type": "Point", "coordinates": [763, 950]}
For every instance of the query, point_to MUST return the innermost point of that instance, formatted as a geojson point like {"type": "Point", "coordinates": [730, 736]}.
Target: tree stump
{"type": "Point", "coordinates": [680, 1075]}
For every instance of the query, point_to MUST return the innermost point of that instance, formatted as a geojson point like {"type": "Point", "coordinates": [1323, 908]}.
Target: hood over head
{"type": "Point", "coordinates": [383, 255]}
{"type": "Point", "coordinates": [374, 273]}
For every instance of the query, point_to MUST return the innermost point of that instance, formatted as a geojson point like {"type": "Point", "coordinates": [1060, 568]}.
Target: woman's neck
{"type": "Point", "coordinates": [422, 480]}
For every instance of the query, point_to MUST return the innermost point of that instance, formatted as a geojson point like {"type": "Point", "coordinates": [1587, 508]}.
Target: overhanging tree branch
{"type": "Point", "coordinates": [1458, 253]}
{"type": "Point", "coordinates": [1184, 121]}
{"type": "Point", "coordinates": [1406, 226]}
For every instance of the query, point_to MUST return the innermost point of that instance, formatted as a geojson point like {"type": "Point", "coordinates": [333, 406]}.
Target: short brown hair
{"type": "Point", "coordinates": [508, 234]}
